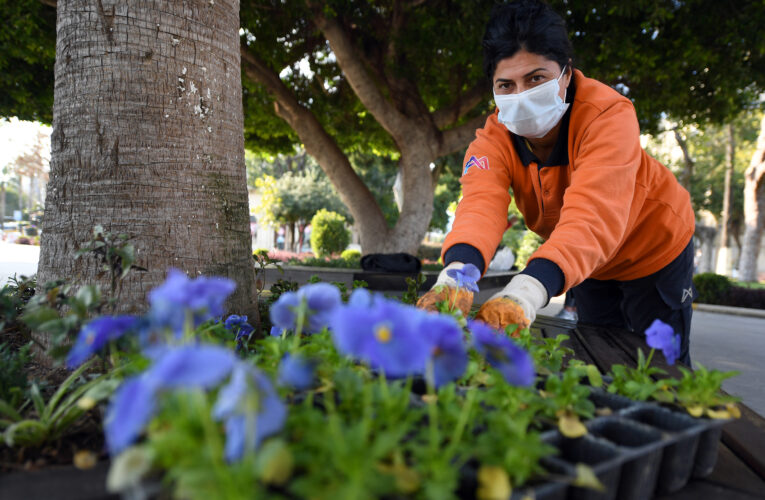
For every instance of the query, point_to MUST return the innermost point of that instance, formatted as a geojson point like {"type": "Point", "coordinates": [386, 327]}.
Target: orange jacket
{"type": "Point", "coordinates": [612, 213]}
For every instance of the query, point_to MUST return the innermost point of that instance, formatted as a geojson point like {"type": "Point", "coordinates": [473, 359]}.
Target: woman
{"type": "Point", "coordinates": [617, 225]}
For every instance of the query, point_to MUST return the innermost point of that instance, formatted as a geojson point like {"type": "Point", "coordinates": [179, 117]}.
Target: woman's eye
{"type": "Point", "coordinates": [537, 78]}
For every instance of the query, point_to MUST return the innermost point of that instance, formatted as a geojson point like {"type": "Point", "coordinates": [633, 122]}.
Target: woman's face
{"type": "Point", "coordinates": [524, 71]}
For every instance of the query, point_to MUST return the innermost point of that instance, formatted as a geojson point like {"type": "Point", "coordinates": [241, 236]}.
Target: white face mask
{"type": "Point", "coordinates": [534, 112]}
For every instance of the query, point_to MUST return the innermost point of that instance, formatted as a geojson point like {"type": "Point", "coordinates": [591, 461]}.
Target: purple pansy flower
{"type": "Point", "coordinates": [185, 367]}
{"type": "Point", "coordinates": [251, 409]}
{"type": "Point", "coordinates": [242, 329]}
{"type": "Point", "coordinates": [130, 410]}
{"type": "Point", "coordinates": [384, 334]}
{"type": "Point", "coordinates": [512, 361]}
{"type": "Point", "coordinates": [203, 297]}
{"type": "Point", "coordinates": [466, 277]}
{"type": "Point", "coordinates": [296, 372]}
{"type": "Point", "coordinates": [282, 312]}
{"type": "Point", "coordinates": [448, 352]}
{"type": "Point", "coordinates": [95, 334]}
{"type": "Point", "coordinates": [661, 336]}
{"type": "Point", "coordinates": [320, 300]}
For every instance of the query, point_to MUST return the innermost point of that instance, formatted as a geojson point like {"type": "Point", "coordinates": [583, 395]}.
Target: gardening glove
{"type": "Point", "coordinates": [517, 303]}
{"type": "Point", "coordinates": [446, 288]}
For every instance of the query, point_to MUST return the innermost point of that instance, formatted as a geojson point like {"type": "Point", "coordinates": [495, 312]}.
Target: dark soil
{"type": "Point", "coordinates": [85, 435]}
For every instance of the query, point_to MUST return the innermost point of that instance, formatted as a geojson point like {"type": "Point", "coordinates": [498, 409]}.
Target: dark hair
{"type": "Point", "coordinates": [525, 24]}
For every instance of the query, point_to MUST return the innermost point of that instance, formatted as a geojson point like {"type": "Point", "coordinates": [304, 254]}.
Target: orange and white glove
{"type": "Point", "coordinates": [446, 289]}
{"type": "Point", "coordinates": [516, 304]}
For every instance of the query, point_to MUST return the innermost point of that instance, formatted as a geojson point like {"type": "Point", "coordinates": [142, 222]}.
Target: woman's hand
{"type": "Point", "coordinates": [516, 304]}
{"type": "Point", "coordinates": [446, 289]}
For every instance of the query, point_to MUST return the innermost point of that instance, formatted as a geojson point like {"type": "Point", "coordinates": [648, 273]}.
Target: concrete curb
{"type": "Point", "coordinates": [738, 311]}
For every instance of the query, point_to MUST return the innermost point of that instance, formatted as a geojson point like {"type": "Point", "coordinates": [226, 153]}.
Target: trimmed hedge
{"type": "Point", "coordinates": [719, 290]}
{"type": "Point", "coordinates": [328, 233]}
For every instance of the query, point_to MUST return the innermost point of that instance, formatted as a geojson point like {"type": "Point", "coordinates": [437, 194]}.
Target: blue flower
{"type": "Point", "coordinates": [466, 277]}
{"type": "Point", "coordinates": [296, 372]}
{"type": "Point", "coordinates": [661, 336]}
{"type": "Point", "coordinates": [512, 361]}
{"type": "Point", "coordinates": [385, 334]}
{"type": "Point", "coordinates": [95, 334]}
{"type": "Point", "coordinates": [251, 409]}
{"type": "Point", "coordinates": [360, 297]}
{"type": "Point", "coordinates": [241, 327]}
{"type": "Point", "coordinates": [192, 366]}
{"type": "Point", "coordinates": [179, 296]}
{"type": "Point", "coordinates": [184, 367]}
{"type": "Point", "coordinates": [320, 300]}
{"type": "Point", "coordinates": [282, 312]}
{"type": "Point", "coordinates": [130, 410]}
{"type": "Point", "coordinates": [448, 352]}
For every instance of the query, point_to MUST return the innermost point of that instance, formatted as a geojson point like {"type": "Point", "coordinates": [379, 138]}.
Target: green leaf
{"type": "Point", "coordinates": [9, 411]}
{"type": "Point", "coordinates": [26, 433]}
{"type": "Point", "coordinates": [64, 387]}
{"type": "Point", "coordinates": [37, 400]}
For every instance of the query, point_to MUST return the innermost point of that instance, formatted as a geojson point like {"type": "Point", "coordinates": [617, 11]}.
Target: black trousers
{"type": "Point", "coordinates": [666, 295]}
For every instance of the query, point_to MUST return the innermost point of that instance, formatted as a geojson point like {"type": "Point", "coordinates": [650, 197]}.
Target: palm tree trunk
{"type": "Point", "coordinates": [148, 141]}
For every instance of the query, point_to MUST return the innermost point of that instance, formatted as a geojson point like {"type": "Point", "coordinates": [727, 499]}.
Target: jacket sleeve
{"type": "Point", "coordinates": [598, 202]}
{"type": "Point", "coordinates": [481, 216]}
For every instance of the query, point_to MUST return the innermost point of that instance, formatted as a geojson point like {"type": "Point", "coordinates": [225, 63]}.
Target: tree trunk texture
{"type": "Point", "coordinates": [724, 255]}
{"type": "Point", "coordinates": [148, 141]}
{"type": "Point", "coordinates": [688, 165]}
{"type": "Point", "coordinates": [754, 210]}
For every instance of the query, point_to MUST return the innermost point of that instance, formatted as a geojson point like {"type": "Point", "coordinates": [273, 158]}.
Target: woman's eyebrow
{"type": "Point", "coordinates": [534, 71]}
{"type": "Point", "coordinates": [503, 80]}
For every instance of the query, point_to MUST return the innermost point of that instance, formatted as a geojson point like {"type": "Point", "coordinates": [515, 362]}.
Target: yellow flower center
{"type": "Point", "coordinates": [383, 333]}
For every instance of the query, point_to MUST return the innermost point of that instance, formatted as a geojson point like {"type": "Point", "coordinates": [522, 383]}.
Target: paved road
{"type": "Point", "coordinates": [719, 341]}
{"type": "Point", "coordinates": [17, 259]}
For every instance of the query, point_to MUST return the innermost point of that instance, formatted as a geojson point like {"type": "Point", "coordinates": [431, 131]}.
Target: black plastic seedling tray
{"type": "Point", "coordinates": [636, 449]}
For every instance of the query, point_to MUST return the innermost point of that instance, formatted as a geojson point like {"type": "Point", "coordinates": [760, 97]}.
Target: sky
{"type": "Point", "coordinates": [17, 137]}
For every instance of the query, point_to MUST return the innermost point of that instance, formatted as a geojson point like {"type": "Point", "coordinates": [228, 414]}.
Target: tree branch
{"type": "Point", "coordinates": [463, 104]}
{"type": "Point", "coordinates": [49, 3]}
{"type": "Point", "coordinates": [318, 143]}
{"type": "Point", "coordinates": [457, 138]}
{"type": "Point", "coordinates": [359, 79]}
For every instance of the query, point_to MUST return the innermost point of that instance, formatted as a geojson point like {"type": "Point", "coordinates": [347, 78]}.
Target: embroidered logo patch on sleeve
{"type": "Point", "coordinates": [481, 163]}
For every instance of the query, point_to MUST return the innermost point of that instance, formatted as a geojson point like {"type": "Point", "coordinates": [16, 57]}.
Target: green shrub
{"type": "Point", "coordinates": [712, 287]}
{"type": "Point", "coordinates": [529, 245]}
{"type": "Point", "coordinates": [429, 252]}
{"type": "Point", "coordinates": [263, 252]}
{"type": "Point", "coordinates": [328, 233]}
{"type": "Point", "coordinates": [13, 375]}
{"type": "Point", "coordinates": [351, 256]}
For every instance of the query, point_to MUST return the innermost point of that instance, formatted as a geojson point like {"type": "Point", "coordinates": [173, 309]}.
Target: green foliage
{"type": "Point", "coordinates": [296, 197]}
{"type": "Point", "coordinates": [712, 287]}
{"type": "Point", "coordinates": [55, 417]}
{"type": "Point", "coordinates": [113, 253]}
{"type": "Point", "coordinates": [27, 55]}
{"type": "Point", "coordinates": [642, 382]}
{"type": "Point", "coordinates": [699, 390]}
{"type": "Point", "coordinates": [413, 286]}
{"type": "Point", "coordinates": [13, 375]}
{"type": "Point", "coordinates": [352, 256]}
{"type": "Point", "coordinates": [14, 296]}
{"type": "Point", "coordinates": [529, 244]}
{"type": "Point", "coordinates": [328, 233]}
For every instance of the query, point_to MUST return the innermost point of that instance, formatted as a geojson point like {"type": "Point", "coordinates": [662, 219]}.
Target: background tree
{"type": "Point", "coordinates": [404, 79]}
{"type": "Point", "coordinates": [754, 208]}
{"type": "Point", "coordinates": [292, 200]}
{"type": "Point", "coordinates": [147, 140]}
